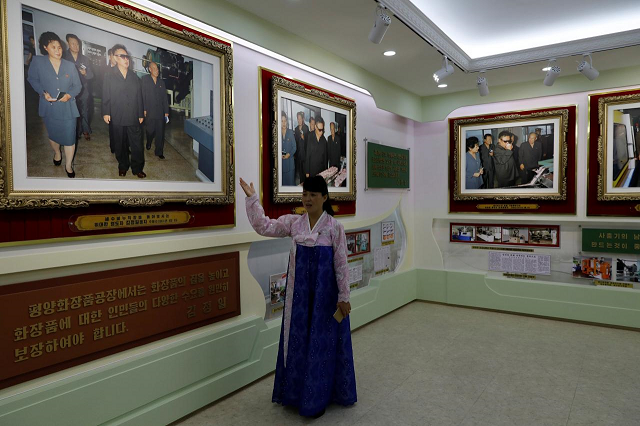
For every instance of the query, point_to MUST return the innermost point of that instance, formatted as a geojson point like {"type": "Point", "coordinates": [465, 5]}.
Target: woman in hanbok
{"type": "Point", "coordinates": [315, 359]}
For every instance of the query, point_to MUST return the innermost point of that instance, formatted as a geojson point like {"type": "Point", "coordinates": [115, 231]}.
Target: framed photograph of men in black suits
{"type": "Point", "coordinates": [513, 162]}
{"type": "Point", "coordinates": [614, 154]}
{"type": "Point", "coordinates": [109, 103]}
{"type": "Point", "coordinates": [313, 133]}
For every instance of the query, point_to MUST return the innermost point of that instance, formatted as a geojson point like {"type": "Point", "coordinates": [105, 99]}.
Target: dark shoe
{"type": "Point", "coordinates": [142, 175]}
{"type": "Point", "coordinates": [72, 174]}
{"type": "Point", "coordinates": [148, 146]}
{"type": "Point", "coordinates": [57, 162]}
{"type": "Point", "coordinates": [161, 157]}
{"type": "Point", "coordinates": [122, 172]}
{"type": "Point", "coordinates": [87, 136]}
{"type": "Point", "coordinates": [317, 416]}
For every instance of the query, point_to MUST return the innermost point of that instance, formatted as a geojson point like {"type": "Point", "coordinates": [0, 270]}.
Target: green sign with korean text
{"type": "Point", "coordinates": [611, 240]}
{"type": "Point", "coordinates": [387, 167]}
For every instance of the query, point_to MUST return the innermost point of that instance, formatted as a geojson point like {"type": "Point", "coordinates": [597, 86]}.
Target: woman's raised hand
{"type": "Point", "coordinates": [249, 190]}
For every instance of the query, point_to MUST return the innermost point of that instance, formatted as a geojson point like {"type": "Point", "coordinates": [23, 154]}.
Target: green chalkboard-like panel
{"type": "Point", "coordinates": [611, 240]}
{"type": "Point", "coordinates": [387, 167]}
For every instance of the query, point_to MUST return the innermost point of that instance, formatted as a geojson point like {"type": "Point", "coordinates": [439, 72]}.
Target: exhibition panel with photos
{"type": "Point", "coordinates": [113, 147]}
{"type": "Point", "coordinates": [373, 251]}
{"type": "Point", "coordinates": [548, 243]}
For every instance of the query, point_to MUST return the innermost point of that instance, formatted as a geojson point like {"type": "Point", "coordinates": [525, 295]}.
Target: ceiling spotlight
{"type": "Point", "coordinates": [483, 85]}
{"type": "Point", "coordinates": [389, 53]}
{"type": "Point", "coordinates": [552, 74]}
{"type": "Point", "coordinates": [444, 72]}
{"type": "Point", "coordinates": [587, 69]}
{"type": "Point", "coordinates": [545, 69]}
{"type": "Point", "coordinates": [380, 26]}
{"type": "Point", "coordinates": [442, 86]}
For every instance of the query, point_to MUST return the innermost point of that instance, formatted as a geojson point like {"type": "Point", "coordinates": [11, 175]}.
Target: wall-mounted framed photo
{"type": "Point", "coordinates": [150, 123]}
{"type": "Point", "coordinates": [313, 133]}
{"type": "Point", "coordinates": [505, 234]}
{"type": "Point", "coordinates": [614, 154]}
{"type": "Point", "coordinates": [513, 162]}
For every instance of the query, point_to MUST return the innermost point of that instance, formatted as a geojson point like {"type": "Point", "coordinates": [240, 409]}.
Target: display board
{"type": "Point", "coordinates": [50, 325]}
{"type": "Point", "coordinates": [387, 166]}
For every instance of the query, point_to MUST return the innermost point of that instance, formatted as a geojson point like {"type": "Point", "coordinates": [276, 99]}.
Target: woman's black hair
{"type": "Point", "coordinates": [472, 142]}
{"type": "Point", "coordinates": [318, 184]}
{"type": "Point", "coordinates": [46, 38]}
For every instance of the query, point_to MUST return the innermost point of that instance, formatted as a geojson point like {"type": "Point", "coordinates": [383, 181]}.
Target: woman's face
{"type": "Point", "coordinates": [474, 149]}
{"type": "Point", "coordinates": [54, 49]}
{"type": "Point", "coordinates": [312, 202]}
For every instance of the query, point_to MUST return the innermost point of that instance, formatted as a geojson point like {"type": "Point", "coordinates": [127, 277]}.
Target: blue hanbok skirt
{"type": "Point", "coordinates": [319, 367]}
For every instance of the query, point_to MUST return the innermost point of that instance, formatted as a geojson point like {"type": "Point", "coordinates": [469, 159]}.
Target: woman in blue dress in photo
{"type": "Point", "coordinates": [473, 168]}
{"type": "Point", "coordinates": [315, 358]}
{"type": "Point", "coordinates": [57, 82]}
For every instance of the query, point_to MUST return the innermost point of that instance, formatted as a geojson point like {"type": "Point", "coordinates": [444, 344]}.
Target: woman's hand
{"type": "Point", "coordinates": [65, 98]}
{"type": "Point", "coordinates": [48, 97]}
{"type": "Point", "coordinates": [345, 308]}
{"type": "Point", "coordinates": [249, 190]}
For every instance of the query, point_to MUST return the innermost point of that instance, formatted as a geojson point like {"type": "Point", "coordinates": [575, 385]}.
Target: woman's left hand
{"type": "Point", "coordinates": [345, 308]}
{"type": "Point", "coordinates": [65, 98]}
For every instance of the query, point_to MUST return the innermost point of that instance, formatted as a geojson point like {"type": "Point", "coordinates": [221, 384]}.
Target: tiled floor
{"type": "Point", "coordinates": [428, 364]}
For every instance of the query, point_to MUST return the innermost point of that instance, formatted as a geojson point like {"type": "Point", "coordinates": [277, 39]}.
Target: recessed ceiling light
{"type": "Point", "coordinates": [389, 53]}
{"type": "Point", "coordinates": [442, 85]}
{"type": "Point", "coordinates": [545, 69]}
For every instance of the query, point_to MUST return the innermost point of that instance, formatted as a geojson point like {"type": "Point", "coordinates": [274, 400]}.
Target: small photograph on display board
{"type": "Point", "coordinates": [358, 243]}
{"type": "Point", "coordinates": [488, 234]}
{"type": "Point", "coordinates": [388, 232]}
{"type": "Point", "coordinates": [543, 236]}
{"type": "Point", "coordinates": [277, 287]}
{"type": "Point", "coordinates": [515, 235]}
{"type": "Point", "coordinates": [592, 267]}
{"type": "Point", "coordinates": [628, 270]}
{"type": "Point", "coordinates": [463, 233]}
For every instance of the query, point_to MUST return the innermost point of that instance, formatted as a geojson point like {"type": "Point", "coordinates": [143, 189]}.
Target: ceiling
{"type": "Point", "coordinates": [342, 27]}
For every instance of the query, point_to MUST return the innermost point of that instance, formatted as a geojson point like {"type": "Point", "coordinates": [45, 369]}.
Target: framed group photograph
{"type": "Point", "coordinates": [358, 243]}
{"type": "Point", "coordinates": [614, 154]}
{"type": "Point", "coordinates": [313, 133]}
{"type": "Point", "coordinates": [513, 159]}
{"type": "Point", "coordinates": [107, 104]}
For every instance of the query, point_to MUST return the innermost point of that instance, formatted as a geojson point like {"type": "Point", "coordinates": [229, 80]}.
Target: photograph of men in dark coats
{"type": "Point", "coordinates": [316, 155]}
{"type": "Point", "coordinates": [156, 108]}
{"type": "Point", "coordinates": [85, 99]}
{"type": "Point", "coordinates": [301, 132]}
{"type": "Point", "coordinates": [505, 166]}
{"type": "Point", "coordinates": [486, 157]}
{"type": "Point", "coordinates": [333, 147]}
{"type": "Point", "coordinates": [529, 156]}
{"type": "Point", "coordinates": [122, 107]}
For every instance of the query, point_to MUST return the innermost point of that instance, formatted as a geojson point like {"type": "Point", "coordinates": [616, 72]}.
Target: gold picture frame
{"type": "Point", "coordinates": [554, 174]}
{"type": "Point", "coordinates": [287, 92]}
{"type": "Point", "coordinates": [19, 190]}
{"type": "Point", "coordinates": [614, 170]}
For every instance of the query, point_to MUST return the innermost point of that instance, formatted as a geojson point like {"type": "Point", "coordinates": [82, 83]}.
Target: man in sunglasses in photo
{"type": "Point", "coordinates": [316, 153]}
{"type": "Point", "coordinates": [122, 107]}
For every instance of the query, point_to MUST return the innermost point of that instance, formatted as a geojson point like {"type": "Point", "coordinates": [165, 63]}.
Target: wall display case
{"type": "Point", "coordinates": [195, 175]}
{"type": "Point", "coordinates": [290, 150]}
{"type": "Point", "coordinates": [614, 153]}
{"type": "Point", "coordinates": [513, 162]}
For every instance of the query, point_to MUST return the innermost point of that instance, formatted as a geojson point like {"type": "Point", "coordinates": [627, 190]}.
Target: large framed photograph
{"type": "Point", "coordinates": [514, 159]}
{"type": "Point", "coordinates": [104, 103]}
{"type": "Point", "coordinates": [618, 153]}
{"type": "Point", "coordinates": [313, 133]}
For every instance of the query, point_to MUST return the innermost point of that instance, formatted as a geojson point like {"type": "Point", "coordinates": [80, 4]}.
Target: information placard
{"type": "Point", "coordinates": [611, 240]}
{"type": "Point", "coordinates": [387, 167]}
{"type": "Point", "coordinates": [539, 264]}
{"type": "Point", "coordinates": [50, 325]}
